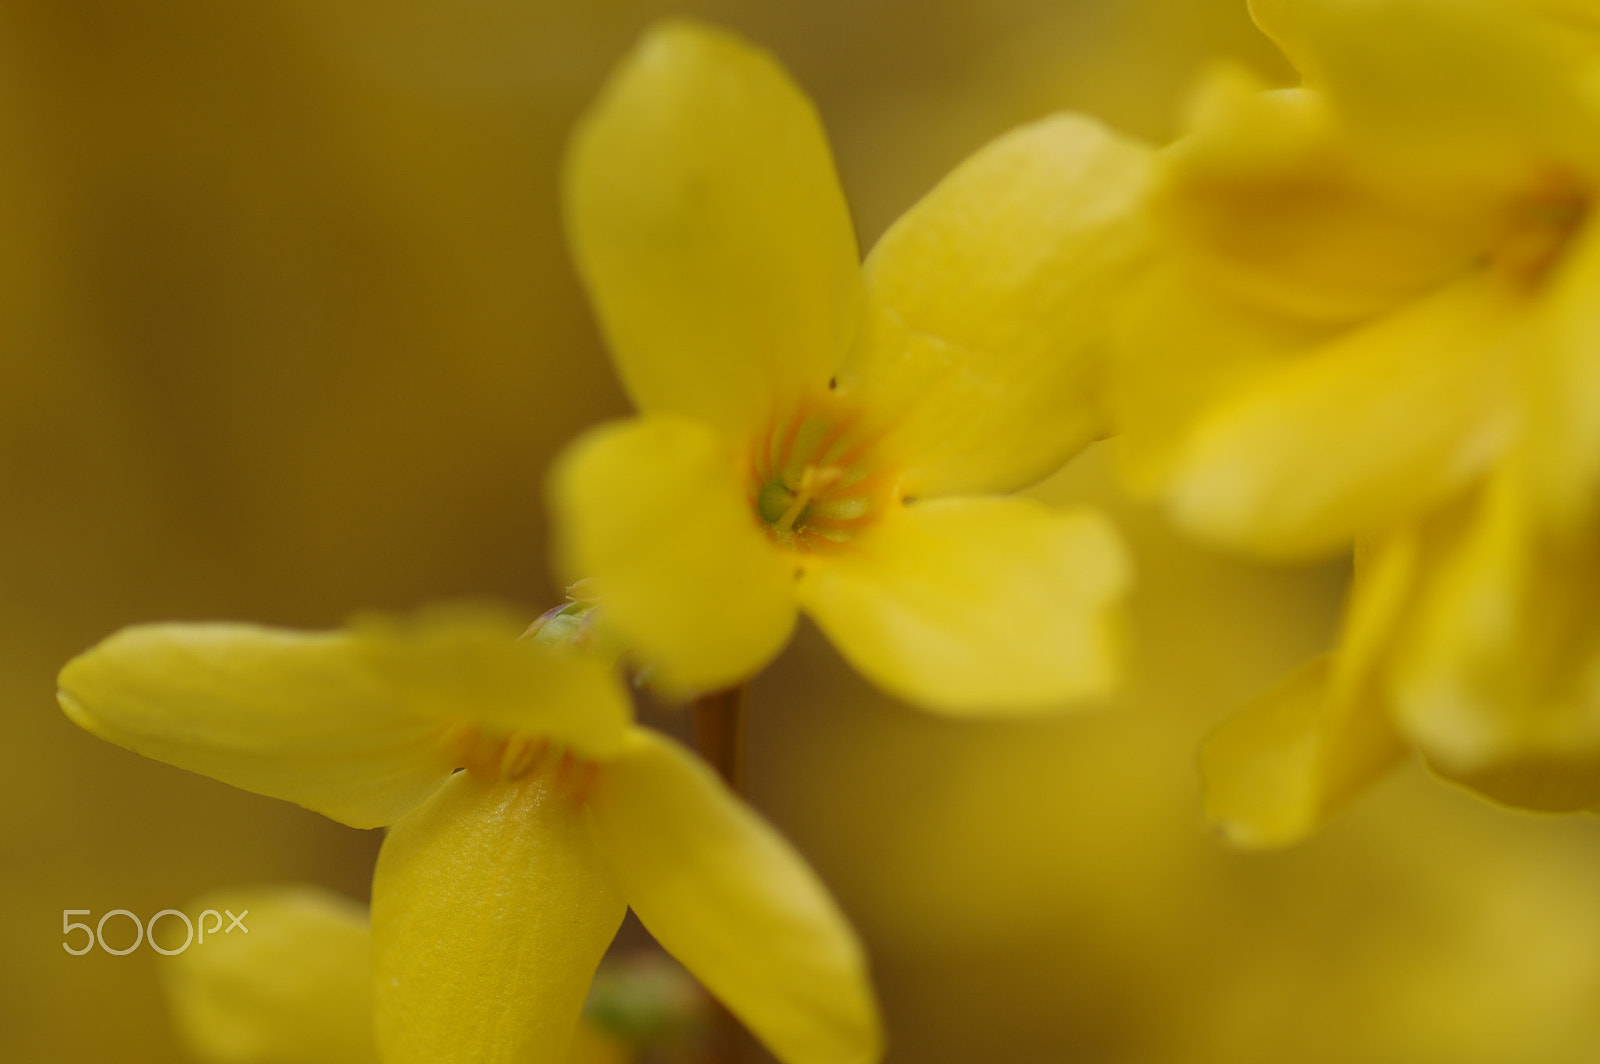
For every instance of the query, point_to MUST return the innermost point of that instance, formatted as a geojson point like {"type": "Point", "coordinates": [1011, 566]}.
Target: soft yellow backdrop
{"type": "Point", "coordinates": [287, 331]}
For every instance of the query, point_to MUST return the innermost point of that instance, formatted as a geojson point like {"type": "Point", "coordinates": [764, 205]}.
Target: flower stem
{"type": "Point", "coordinates": [718, 720]}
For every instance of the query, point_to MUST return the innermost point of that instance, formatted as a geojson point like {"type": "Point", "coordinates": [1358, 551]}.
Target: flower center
{"type": "Point", "coordinates": [814, 480]}
{"type": "Point", "coordinates": [518, 755]}
{"type": "Point", "coordinates": [1538, 229]}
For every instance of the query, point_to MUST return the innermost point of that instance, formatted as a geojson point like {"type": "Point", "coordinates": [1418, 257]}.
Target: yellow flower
{"type": "Point", "coordinates": [499, 887]}
{"type": "Point", "coordinates": [1376, 320]}
{"type": "Point", "coordinates": [817, 435]}
{"type": "Point", "coordinates": [298, 987]}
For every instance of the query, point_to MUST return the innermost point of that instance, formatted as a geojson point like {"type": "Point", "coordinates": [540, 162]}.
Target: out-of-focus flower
{"type": "Point", "coordinates": [297, 989]}
{"type": "Point", "coordinates": [821, 436]}
{"type": "Point", "coordinates": [1068, 873]}
{"type": "Point", "coordinates": [1376, 321]}
{"type": "Point", "coordinates": [497, 888]}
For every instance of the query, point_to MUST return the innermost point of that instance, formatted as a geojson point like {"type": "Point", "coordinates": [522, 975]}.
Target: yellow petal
{"type": "Point", "coordinates": [705, 216]}
{"type": "Point", "coordinates": [988, 605]}
{"type": "Point", "coordinates": [1546, 785]}
{"type": "Point", "coordinates": [295, 987]}
{"type": "Point", "coordinates": [591, 1045]}
{"type": "Point", "coordinates": [1361, 433]}
{"type": "Point", "coordinates": [1477, 87]}
{"type": "Point", "coordinates": [1180, 347]}
{"type": "Point", "coordinates": [1562, 373]}
{"type": "Point", "coordinates": [1503, 669]}
{"type": "Point", "coordinates": [986, 303]}
{"type": "Point", "coordinates": [723, 893]}
{"type": "Point", "coordinates": [656, 512]}
{"type": "Point", "coordinates": [490, 912]}
{"type": "Point", "coordinates": [1279, 768]}
{"type": "Point", "coordinates": [1272, 201]}
{"type": "Point", "coordinates": [358, 725]}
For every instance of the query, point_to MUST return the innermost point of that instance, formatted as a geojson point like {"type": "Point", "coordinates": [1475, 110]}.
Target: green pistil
{"type": "Point", "coordinates": [774, 500]}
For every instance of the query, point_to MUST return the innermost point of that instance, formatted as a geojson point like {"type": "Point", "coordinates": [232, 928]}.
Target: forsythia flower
{"type": "Point", "coordinates": [821, 436]}
{"type": "Point", "coordinates": [498, 888]}
{"type": "Point", "coordinates": [299, 987]}
{"type": "Point", "coordinates": [1377, 319]}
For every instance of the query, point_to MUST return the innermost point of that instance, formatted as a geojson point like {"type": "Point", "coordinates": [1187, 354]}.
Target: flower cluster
{"type": "Point", "coordinates": [1373, 321]}
{"type": "Point", "coordinates": [1357, 313]}
{"type": "Point", "coordinates": [816, 434]}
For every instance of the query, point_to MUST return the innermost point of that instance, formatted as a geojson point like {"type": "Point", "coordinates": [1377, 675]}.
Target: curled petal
{"type": "Point", "coordinates": [359, 725]}
{"type": "Point", "coordinates": [1277, 769]}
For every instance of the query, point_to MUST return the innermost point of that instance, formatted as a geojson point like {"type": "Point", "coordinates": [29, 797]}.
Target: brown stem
{"type": "Point", "coordinates": [718, 720]}
{"type": "Point", "coordinates": [725, 1040]}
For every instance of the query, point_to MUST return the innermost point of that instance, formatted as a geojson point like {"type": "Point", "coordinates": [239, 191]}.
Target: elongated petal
{"type": "Point", "coordinates": [1562, 374]}
{"type": "Point", "coordinates": [1263, 766]}
{"type": "Point", "coordinates": [490, 912]}
{"type": "Point", "coordinates": [1543, 784]}
{"type": "Point", "coordinates": [981, 606]}
{"type": "Point", "coordinates": [987, 304]}
{"type": "Point", "coordinates": [295, 986]}
{"type": "Point", "coordinates": [359, 725]}
{"type": "Point", "coordinates": [1503, 668]}
{"type": "Point", "coordinates": [1277, 769]}
{"type": "Point", "coordinates": [727, 896]}
{"type": "Point", "coordinates": [656, 513]}
{"type": "Point", "coordinates": [1360, 434]}
{"type": "Point", "coordinates": [705, 216]}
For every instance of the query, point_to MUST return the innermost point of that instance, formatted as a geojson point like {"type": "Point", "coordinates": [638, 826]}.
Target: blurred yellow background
{"type": "Point", "coordinates": [287, 331]}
